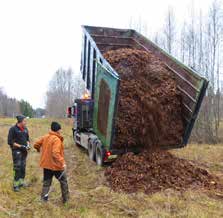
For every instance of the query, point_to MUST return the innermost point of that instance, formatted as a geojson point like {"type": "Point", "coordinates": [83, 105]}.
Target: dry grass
{"type": "Point", "coordinates": [90, 197]}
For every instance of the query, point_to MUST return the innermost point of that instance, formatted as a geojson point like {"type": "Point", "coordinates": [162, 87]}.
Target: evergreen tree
{"type": "Point", "coordinates": [26, 108]}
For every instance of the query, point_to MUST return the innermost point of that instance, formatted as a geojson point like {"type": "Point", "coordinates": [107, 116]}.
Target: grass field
{"type": "Point", "coordinates": [90, 197]}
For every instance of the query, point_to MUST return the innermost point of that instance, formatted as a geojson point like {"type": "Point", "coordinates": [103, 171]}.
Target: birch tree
{"type": "Point", "coordinates": [64, 87]}
{"type": "Point", "coordinates": [169, 30]}
{"type": "Point", "coordinates": [215, 28]}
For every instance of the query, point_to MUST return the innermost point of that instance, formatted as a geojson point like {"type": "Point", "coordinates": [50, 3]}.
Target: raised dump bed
{"type": "Point", "coordinates": [103, 81]}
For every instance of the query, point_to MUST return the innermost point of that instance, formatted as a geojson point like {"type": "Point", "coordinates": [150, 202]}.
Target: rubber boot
{"type": "Point", "coordinates": [16, 187]}
{"type": "Point", "coordinates": [45, 190]}
{"type": "Point", "coordinates": [64, 189]}
{"type": "Point", "coordinates": [23, 183]}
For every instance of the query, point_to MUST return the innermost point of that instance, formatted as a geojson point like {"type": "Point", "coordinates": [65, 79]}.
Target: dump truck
{"type": "Point", "coordinates": [95, 114]}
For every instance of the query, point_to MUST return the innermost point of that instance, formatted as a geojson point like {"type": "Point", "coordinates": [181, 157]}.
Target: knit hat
{"type": "Point", "coordinates": [55, 126]}
{"type": "Point", "coordinates": [20, 118]}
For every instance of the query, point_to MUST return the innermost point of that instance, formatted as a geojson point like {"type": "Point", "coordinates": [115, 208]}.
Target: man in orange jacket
{"type": "Point", "coordinates": [52, 161]}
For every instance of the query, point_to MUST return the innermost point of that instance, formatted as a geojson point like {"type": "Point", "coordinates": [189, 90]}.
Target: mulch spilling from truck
{"type": "Point", "coordinates": [156, 170]}
{"type": "Point", "coordinates": [149, 107]}
{"type": "Point", "coordinates": [149, 116]}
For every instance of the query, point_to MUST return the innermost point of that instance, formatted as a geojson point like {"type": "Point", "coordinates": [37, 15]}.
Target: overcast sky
{"type": "Point", "coordinates": [39, 36]}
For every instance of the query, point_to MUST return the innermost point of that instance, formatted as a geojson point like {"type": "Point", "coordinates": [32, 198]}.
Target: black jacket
{"type": "Point", "coordinates": [16, 135]}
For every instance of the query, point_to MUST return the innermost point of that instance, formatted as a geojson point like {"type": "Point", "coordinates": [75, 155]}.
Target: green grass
{"type": "Point", "coordinates": [90, 196]}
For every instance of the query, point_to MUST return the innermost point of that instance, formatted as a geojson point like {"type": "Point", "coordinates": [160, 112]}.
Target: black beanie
{"type": "Point", "coordinates": [20, 118]}
{"type": "Point", "coordinates": [55, 126]}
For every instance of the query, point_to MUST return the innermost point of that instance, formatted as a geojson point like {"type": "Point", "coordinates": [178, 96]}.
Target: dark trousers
{"type": "Point", "coordinates": [47, 181]}
{"type": "Point", "coordinates": [19, 165]}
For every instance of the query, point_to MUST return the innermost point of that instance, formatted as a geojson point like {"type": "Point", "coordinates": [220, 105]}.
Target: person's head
{"type": "Point", "coordinates": [21, 120]}
{"type": "Point", "coordinates": [55, 127]}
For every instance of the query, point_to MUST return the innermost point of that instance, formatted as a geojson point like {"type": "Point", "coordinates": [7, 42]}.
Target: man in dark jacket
{"type": "Point", "coordinates": [18, 139]}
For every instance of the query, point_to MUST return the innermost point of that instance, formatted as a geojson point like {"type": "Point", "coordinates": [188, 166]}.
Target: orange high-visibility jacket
{"type": "Point", "coordinates": [52, 151]}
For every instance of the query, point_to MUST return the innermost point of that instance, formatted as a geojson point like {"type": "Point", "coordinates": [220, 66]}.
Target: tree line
{"type": "Point", "coordinates": [64, 87]}
{"type": "Point", "coordinates": [10, 107]}
{"type": "Point", "coordinates": [197, 42]}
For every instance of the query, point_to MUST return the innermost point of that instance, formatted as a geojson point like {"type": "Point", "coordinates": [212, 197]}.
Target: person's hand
{"type": "Point", "coordinates": [28, 147]}
{"type": "Point", "coordinates": [16, 145]}
{"type": "Point", "coordinates": [23, 148]}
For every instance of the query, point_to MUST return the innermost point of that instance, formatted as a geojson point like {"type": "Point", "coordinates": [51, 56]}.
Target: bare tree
{"type": "Point", "coordinates": [200, 52]}
{"type": "Point", "coordinates": [159, 39]}
{"type": "Point", "coordinates": [169, 30]}
{"type": "Point", "coordinates": [215, 26]}
{"type": "Point", "coordinates": [183, 42]}
{"type": "Point", "coordinates": [139, 25]}
{"type": "Point", "coordinates": [64, 87]}
{"type": "Point", "coordinates": [8, 106]}
{"type": "Point", "coordinates": [200, 46]}
{"type": "Point", "coordinates": [207, 49]}
{"type": "Point", "coordinates": [192, 41]}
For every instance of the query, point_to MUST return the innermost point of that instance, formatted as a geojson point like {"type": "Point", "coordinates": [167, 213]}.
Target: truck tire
{"type": "Point", "coordinates": [99, 155]}
{"type": "Point", "coordinates": [78, 145]}
{"type": "Point", "coordinates": [74, 135]}
{"type": "Point", "coordinates": [75, 141]}
{"type": "Point", "coordinates": [91, 151]}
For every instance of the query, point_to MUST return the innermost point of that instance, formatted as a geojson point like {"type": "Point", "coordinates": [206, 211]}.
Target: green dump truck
{"type": "Point", "coordinates": [94, 115]}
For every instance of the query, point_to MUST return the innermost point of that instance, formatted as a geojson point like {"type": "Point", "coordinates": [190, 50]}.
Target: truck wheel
{"type": "Point", "coordinates": [75, 140]}
{"type": "Point", "coordinates": [99, 156]}
{"type": "Point", "coordinates": [91, 152]}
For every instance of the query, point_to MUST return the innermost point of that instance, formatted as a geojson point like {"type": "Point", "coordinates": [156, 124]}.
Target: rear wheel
{"type": "Point", "coordinates": [91, 151]}
{"type": "Point", "coordinates": [78, 145]}
{"type": "Point", "coordinates": [99, 155]}
{"type": "Point", "coordinates": [76, 142]}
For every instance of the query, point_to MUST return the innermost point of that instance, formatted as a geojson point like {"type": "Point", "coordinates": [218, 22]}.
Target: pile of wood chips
{"type": "Point", "coordinates": [149, 107]}
{"type": "Point", "coordinates": [149, 116]}
{"type": "Point", "coordinates": [156, 170]}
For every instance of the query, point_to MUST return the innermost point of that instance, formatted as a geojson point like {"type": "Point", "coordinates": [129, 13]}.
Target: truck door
{"type": "Point", "coordinates": [105, 105]}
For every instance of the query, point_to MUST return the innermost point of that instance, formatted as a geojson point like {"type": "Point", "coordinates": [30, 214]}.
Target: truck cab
{"type": "Point", "coordinates": [83, 133]}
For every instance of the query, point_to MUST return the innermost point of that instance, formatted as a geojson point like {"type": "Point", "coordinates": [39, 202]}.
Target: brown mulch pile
{"type": "Point", "coordinates": [149, 107]}
{"type": "Point", "coordinates": [149, 115]}
{"type": "Point", "coordinates": [156, 170]}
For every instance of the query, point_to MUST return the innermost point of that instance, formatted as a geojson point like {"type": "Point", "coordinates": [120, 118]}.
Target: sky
{"type": "Point", "coordinates": [39, 36]}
